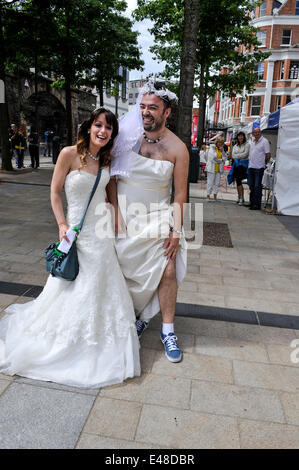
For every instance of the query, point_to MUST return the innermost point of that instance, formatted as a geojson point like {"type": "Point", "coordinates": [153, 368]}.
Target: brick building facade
{"type": "Point", "coordinates": [277, 77]}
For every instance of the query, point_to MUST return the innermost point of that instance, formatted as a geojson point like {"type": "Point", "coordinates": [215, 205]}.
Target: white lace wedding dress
{"type": "Point", "coordinates": [80, 333]}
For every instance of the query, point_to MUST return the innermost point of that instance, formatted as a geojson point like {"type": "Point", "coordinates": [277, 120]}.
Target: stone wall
{"type": "Point", "coordinates": [48, 104]}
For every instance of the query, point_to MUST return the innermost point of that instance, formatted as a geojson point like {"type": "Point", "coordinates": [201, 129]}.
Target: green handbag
{"type": "Point", "coordinates": [66, 265]}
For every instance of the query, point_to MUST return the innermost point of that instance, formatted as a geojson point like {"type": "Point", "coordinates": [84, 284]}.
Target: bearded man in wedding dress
{"type": "Point", "coordinates": [152, 251]}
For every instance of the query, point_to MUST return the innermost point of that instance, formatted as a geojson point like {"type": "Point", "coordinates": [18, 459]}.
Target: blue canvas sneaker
{"type": "Point", "coordinates": [172, 351]}
{"type": "Point", "coordinates": [140, 327]}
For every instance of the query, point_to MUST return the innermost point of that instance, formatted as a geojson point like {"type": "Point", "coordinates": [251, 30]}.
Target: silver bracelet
{"type": "Point", "coordinates": [177, 231]}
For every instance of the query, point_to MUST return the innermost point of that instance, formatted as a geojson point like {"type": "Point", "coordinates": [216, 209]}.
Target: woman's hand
{"type": "Point", "coordinates": [119, 223]}
{"type": "Point", "coordinates": [63, 228]}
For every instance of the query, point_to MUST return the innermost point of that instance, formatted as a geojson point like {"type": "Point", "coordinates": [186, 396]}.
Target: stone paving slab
{"type": "Point", "coordinates": [290, 403]}
{"type": "Point", "coordinates": [52, 385]}
{"type": "Point", "coordinates": [184, 429]}
{"type": "Point", "coordinates": [39, 418]}
{"type": "Point", "coordinates": [93, 441]}
{"type": "Point", "coordinates": [260, 435]}
{"type": "Point", "coordinates": [260, 334]}
{"type": "Point", "coordinates": [151, 389]}
{"type": "Point", "coordinates": [231, 349]}
{"type": "Point", "coordinates": [3, 384]}
{"type": "Point", "coordinates": [117, 419]}
{"type": "Point", "coordinates": [232, 400]}
{"type": "Point", "coordinates": [269, 376]}
{"type": "Point", "coordinates": [236, 386]}
{"type": "Point", "coordinates": [194, 366]}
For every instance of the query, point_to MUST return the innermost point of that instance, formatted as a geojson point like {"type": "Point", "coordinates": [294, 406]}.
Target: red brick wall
{"type": "Point", "coordinates": [277, 35]}
{"type": "Point", "coordinates": [288, 8]}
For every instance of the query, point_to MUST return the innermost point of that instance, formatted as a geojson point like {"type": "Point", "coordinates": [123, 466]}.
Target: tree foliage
{"type": "Point", "coordinates": [78, 42]}
{"type": "Point", "coordinates": [226, 41]}
{"type": "Point", "coordinates": [224, 25]}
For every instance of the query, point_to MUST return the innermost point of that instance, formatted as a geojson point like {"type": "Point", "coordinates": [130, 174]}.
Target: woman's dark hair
{"type": "Point", "coordinates": [84, 137]}
{"type": "Point", "coordinates": [244, 137]}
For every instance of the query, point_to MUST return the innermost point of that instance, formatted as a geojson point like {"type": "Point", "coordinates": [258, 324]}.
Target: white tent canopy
{"type": "Point", "coordinates": [286, 188]}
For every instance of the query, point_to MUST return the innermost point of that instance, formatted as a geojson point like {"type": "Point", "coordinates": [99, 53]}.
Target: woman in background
{"type": "Point", "coordinates": [215, 167]}
{"type": "Point", "coordinates": [240, 155]}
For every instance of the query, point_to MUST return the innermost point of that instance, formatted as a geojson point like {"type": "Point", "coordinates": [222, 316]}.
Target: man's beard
{"type": "Point", "coordinates": [155, 125]}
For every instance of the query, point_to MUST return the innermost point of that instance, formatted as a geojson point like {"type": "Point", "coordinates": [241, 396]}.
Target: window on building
{"type": "Point", "coordinates": [255, 105]}
{"type": "Point", "coordinates": [297, 8]}
{"type": "Point", "coordinates": [240, 107]}
{"type": "Point", "coordinates": [260, 71]}
{"type": "Point", "coordinates": [294, 68]}
{"type": "Point", "coordinates": [263, 9]}
{"type": "Point", "coordinates": [286, 37]}
{"type": "Point", "coordinates": [276, 4]}
{"type": "Point", "coordinates": [282, 70]}
{"type": "Point", "coordinates": [278, 102]}
{"type": "Point", "coordinates": [289, 99]}
{"type": "Point", "coordinates": [262, 37]}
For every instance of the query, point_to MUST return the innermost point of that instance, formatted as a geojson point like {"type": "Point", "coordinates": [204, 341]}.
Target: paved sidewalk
{"type": "Point", "coordinates": [238, 383]}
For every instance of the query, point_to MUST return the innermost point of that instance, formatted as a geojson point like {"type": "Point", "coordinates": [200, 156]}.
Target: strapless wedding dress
{"type": "Point", "coordinates": [80, 333]}
{"type": "Point", "coordinates": [144, 201]}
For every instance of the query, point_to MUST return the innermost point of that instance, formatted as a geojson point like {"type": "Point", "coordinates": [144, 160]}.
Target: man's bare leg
{"type": "Point", "coordinates": [167, 293]}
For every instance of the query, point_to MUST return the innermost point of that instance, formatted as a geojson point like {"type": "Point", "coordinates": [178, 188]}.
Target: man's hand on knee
{"type": "Point", "coordinates": [171, 246]}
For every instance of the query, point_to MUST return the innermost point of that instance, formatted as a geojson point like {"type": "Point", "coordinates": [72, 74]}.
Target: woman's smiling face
{"type": "Point", "coordinates": [100, 132]}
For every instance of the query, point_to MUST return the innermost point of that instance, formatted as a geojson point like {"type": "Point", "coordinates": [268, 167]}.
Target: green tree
{"type": "Point", "coordinates": [114, 45]}
{"type": "Point", "coordinates": [79, 42]}
{"type": "Point", "coordinates": [224, 25]}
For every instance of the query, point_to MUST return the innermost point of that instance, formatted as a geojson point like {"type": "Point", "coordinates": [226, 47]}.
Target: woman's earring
{"type": "Point", "coordinates": [88, 132]}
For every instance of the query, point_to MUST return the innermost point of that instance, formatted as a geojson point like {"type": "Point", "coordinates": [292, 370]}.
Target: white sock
{"type": "Point", "coordinates": [167, 328]}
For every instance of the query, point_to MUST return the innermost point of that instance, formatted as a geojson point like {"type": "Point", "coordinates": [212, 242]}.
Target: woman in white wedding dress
{"type": "Point", "coordinates": [79, 333]}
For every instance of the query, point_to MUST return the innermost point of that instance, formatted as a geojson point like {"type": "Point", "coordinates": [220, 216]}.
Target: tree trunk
{"type": "Point", "coordinates": [188, 59]}
{"type": "Point", "coordinates": [68, 107]}
{"type": "Point", "coordinates": [116, 105]}
{"type": "Point", "coordinates": [101, 90]}
{"type": "Point", "coordinates": [4, 122]}
{"type": "Point", "coordinates": [68, 93]}
{"type": "Point", "coordinates": [36, 120]}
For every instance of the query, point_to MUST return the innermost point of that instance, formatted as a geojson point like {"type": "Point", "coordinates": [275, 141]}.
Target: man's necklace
{"type": "Point", "coordinates": [91, 155]}
{"type": "Point", "coordinates": [150, 141]}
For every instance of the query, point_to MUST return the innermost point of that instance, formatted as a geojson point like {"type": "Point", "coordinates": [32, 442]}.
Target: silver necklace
{"type": "Point", "coordinates": [150, 141]}
{"type": "Point", "coordinates": [91, 155]}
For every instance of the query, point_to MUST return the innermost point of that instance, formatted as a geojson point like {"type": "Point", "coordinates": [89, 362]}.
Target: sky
{"type": "Point", "coordinates": [145, 40]}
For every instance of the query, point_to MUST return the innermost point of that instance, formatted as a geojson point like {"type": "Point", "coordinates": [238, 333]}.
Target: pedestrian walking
{"type": "Point", "coordinates": [215, 166]}
{"type": "Point", "coordinates": [18, 142]}
{"type": "Point", "coordinates": [33, 141]}
{"type": "Point", "coordinates": [239, 170]}
{"type": "Point", "coordinates": [259, 155]}
{"type": "Point", "coordinates": [49, 134]}
{"type": "Point", "coordinates": [11, 133]}
{"type": "Point", "coordinates": [56, 148]}
{"type": "Point", "coordinates": [203, 156]}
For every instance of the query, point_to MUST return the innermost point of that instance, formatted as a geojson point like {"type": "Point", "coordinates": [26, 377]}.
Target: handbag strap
{"type": "Point", "coordinates": [79, 227]}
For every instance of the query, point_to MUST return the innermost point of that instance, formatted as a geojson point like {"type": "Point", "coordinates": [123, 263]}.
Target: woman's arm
{"type": "Point", "coordinates": [111, 190]}
{"type": "Point", "coordinates": [62, 168]}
